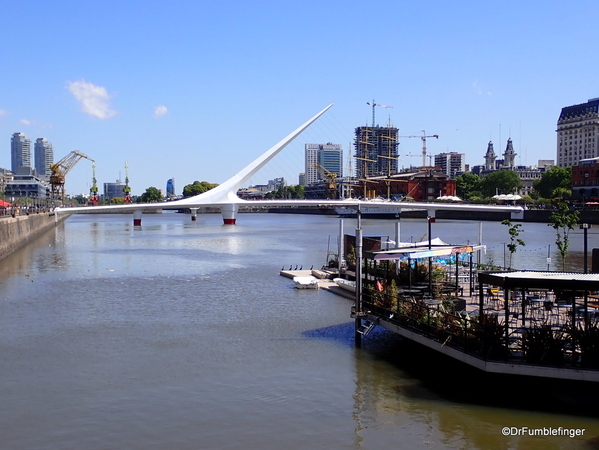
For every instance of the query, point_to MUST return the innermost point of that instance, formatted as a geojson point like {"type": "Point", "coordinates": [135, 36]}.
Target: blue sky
{"type": "Point", "coordinates": [196, 90]}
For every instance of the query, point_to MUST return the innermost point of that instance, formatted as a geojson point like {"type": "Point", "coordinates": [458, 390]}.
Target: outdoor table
{"type": "Point", "coordinates": [410, 291]}
{"type": "Point", "coordinates": [432, 302]}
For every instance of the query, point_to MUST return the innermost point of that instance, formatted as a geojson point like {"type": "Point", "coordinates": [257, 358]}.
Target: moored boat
{"type": "Point", "coordinates": [348, 285]}
{"type": "Point", "coordinates": [308, 282]}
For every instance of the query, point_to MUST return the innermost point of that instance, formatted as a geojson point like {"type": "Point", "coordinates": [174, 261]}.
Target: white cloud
{"type": "Point", "coordinates": [25, 122]}
{"type": "Point", "coordinates": [479, 88]}
{"type": "Point", "coordinates": [160, 111]}
{"type": "Point", "coordinates": [94, 99]}
{"type": "Point", "coordinates": [3, 113]}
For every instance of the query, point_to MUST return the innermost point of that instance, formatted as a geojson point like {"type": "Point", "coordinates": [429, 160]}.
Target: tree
{"type": "Point", "coordinates": [468, 185]}
{"type": "Point", "coordinates": [500, 182]}
{"type": "Point", "coordinates": [561, 193]}
{"type": "Point", "coordinates": [563, 221]}
{"type": "Point", "coordinates": [197, 188]}
{"type": "Point", "coordinates": [152, 194]}
{"type": "Point", "coordinates": [294, 192]}
{"type": "Point", "coordinates": [555, 177]}
{"type": "Point", "coordinates": [80, 199]}
{"type": "Point", "coordinates": [514, 231]}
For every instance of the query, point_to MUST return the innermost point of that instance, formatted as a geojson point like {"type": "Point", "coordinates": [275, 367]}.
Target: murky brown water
{"type": "Point", "coordinates": [182, 335]}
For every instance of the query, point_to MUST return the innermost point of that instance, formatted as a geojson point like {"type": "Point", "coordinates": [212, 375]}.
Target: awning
{"type": "Point", "coordinates": [424, 252]}
{"type": "Point", "coordinates": [434, 242]}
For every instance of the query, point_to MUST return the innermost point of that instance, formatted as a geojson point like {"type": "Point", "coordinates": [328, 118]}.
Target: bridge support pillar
{"type": "Point", "coordinates": [137, 218]}
{"type": "Point", "coordinates": [194, 213]}
{"type": "Point", "coordinates": [229, 213]}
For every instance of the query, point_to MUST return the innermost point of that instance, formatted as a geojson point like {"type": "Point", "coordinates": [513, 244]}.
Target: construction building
{"type": "Point", "coordinates": [376, 151]}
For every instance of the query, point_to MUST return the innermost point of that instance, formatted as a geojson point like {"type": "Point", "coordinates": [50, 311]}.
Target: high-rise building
{"type": "Point", "coordinates": [170, 188]}
{"type": "Point", "coordinates": [451, 163]}
{"type": "Point", "coordinates": [44, 156]}
{"type": "Point", "coordinates": [328, 156]}
{"type": "Point", "coordinates": [578, 133]}
{"type": "Point", "coordinates": [20, 152]}
{"type": "Point", "coordinates": [376, 151]}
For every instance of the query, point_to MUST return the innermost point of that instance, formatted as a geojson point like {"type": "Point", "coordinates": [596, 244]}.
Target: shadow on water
{"type": "Point", "coordinates": [454, 381]}
{"type": "Point", "coordinates": [340, 334]}
{"type": "Point", "coordinates": [438, 377]}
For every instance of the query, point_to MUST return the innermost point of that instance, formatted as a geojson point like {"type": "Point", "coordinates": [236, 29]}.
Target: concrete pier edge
{"type": "Point", "coordinates": [16, 232]}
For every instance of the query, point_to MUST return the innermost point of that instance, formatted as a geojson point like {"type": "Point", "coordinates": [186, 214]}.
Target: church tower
{"type": "Point", "coordinates": [509, 156]}
{"type": "Point", "coordinates": [490, 157]}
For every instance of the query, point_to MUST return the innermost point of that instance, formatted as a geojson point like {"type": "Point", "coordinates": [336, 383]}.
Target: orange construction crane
{"type": "Point", "coordinates": [60, 170]}
{"type": "Point", "coordinates": [330, 179]}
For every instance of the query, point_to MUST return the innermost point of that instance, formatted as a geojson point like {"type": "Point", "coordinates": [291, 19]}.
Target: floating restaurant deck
{"type": "Point", "coordinates": [537, 324]}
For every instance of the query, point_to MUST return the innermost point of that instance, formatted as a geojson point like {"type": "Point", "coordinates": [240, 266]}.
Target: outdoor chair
{"type": "Point", "coordinates": [494, 298]}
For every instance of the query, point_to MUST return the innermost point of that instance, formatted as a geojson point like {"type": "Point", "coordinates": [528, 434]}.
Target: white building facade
{"type": "Point", "coordinates": [451, 163]}
{"type": "Point", "coordinates": [578, 133]}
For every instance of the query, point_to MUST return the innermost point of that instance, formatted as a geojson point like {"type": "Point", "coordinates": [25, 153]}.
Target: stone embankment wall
{"type": "Point", "coordinates": [15, 232]}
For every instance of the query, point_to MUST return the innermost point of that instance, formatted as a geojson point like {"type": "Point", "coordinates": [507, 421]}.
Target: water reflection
{"type": "Point", "coordinates": [452, 406]}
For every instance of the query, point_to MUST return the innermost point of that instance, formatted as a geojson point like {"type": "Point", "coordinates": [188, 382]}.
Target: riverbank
{"type": "Point", "coordinates": [530, 215]}
{"type": "Point", "coordinates": [15, 232]}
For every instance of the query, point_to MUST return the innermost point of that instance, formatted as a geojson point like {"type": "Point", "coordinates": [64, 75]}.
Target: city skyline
{"type": "Point", "coordinates": [199, 90]}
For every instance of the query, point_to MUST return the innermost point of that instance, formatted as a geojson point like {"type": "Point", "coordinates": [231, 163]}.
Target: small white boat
{"type": "Point", "coordinates": [345, 284]}
{"type": "Point", "coordinates": [309, 282]}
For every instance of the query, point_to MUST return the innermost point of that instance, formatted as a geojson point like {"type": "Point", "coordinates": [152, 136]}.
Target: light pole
{"type": "Point", "coordinates": [585, 227]}
{"type": "Point", "coordinates": [430, 219]}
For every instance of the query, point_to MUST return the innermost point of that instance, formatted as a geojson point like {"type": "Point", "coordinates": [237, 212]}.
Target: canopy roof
{"type": "Point", "coordinates": [411, 250]}
{"type": "Point", "coordinates": [543, 280]}
{"type": "Point", "coordinates": [507, 197]}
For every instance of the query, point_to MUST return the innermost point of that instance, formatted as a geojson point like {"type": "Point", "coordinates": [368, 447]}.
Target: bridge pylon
{"type": "Point", "coordinates": [229, 213]}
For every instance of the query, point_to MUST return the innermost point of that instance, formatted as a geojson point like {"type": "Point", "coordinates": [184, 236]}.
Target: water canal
{"type": "Point", "coordinates": [182, 335]}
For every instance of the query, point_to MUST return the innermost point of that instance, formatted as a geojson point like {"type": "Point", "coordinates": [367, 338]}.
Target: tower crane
{"type": "Point", "coordinates": [373, 106]}
{"type": "Point", "coordinates": [330, 179]}
{"type": "Point", "coordinates": [423, 137]}
{"type": "Point", "coordinates": [127, 189]}
{"type": "Point", "coordinates": [59, 171]}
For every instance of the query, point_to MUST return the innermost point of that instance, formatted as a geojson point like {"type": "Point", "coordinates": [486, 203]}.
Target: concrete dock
{"type": "Point", "coordinates": [324, 281]}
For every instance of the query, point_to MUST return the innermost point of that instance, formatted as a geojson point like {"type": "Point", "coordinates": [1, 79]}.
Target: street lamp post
{"type": "Point", "coordinates": [585, 227]}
